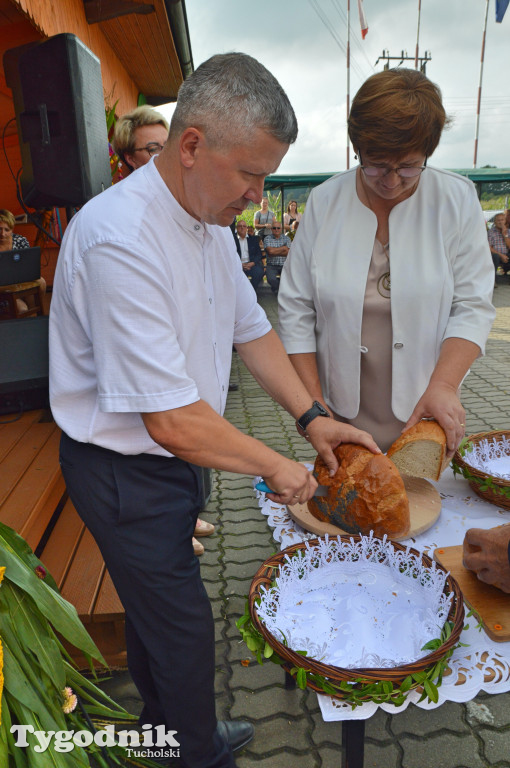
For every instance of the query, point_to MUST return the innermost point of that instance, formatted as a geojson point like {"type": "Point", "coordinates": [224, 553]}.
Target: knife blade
{"type": "Point", "coordinates": [322, 490]}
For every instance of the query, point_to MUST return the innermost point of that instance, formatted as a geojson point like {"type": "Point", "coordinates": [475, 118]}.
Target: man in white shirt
{"type": "Point", "coordinates": [248, 248]}
{"type": "Point", "coordinates": [149, 296]}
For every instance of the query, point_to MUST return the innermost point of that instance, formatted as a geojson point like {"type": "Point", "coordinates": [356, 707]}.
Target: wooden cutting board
{"type": "Point", "coordinates": [424, 509]}
{"type": "Point", "coordinates": [490, 603]}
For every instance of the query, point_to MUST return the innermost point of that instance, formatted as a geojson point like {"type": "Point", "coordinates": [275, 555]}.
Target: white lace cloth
{"type": "Point", "coordinates": [342, 603]}
{"type": "Point", "coordinates": [484, 664]}
{"type": "Point", "coordinates": [491, 457]}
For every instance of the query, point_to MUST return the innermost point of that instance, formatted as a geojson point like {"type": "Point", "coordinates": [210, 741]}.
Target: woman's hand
{"type": "Point", "coordinates": [326, 434]}
{"type": "Point", "coordinates": [441, 402]}
{"type": "Point", "coordinates": [486, 553]}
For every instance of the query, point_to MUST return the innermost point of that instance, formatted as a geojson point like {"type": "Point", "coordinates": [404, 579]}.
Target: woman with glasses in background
{"type": "Point", "coordinates": [138, 136]}
{"type": "Point", "coordinates": [385, 298]}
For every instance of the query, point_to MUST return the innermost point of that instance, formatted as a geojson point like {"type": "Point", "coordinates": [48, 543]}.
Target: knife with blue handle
{"type": "Point", "coordinates": [322, 490]}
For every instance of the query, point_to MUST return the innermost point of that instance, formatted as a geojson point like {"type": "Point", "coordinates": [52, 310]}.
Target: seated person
{"type": "Point", "coordinates": [277, 247]}
{"type": "Point", "coordinates": [138, 136]}
{"type": "Point", "coordinates": [499, 243]}
{"type": "Point", "coordinates": [487, 553]}
{"type": "Point", "coordinates": [248, 249]}
{"type": "Point", "coordinates": [9, 241]}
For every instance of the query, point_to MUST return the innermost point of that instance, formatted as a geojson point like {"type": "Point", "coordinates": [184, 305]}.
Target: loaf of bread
{"type": "Point", "coordinates": [420, 451]}
{"type": "Point", "coordinates": [366, 494]}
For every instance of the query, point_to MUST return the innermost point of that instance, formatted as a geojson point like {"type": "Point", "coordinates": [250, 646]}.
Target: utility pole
{"type": "Point", "coordinates": [385, 56]}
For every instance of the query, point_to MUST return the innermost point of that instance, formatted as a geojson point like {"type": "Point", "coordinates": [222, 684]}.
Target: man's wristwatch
{"type": "Point", "coordinates": [316, 410]}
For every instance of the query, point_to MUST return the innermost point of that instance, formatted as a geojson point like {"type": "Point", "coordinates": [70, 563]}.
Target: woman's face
{"type": "Point", "coordinates": [293, 206]}
{"type": "Point", "coordinates": [391, 186]}
{"type": "Point", "coordinates": [263, 204]}
{"type": "Point", "coordinates": [5, 232]}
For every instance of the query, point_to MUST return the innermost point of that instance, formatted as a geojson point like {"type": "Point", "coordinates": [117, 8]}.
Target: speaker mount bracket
{"type": "Point", "coordinates": [103, 10]}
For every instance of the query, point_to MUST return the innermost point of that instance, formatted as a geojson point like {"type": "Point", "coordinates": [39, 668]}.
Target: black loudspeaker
{"type": "Point", "coordinates": [60, 114]}
{"type": "Point", "coordinates": [25, 364]}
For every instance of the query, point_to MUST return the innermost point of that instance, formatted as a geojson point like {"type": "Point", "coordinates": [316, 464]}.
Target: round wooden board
{"type": "Point", "coordinates": [424, 508]}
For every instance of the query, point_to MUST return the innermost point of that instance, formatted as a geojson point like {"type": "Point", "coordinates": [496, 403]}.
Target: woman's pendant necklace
{"type": "Point", "coordinates": [384, 282]}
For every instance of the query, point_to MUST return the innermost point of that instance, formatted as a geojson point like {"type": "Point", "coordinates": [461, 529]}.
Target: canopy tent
{"type": "Point", "coordinates": [497, 178]}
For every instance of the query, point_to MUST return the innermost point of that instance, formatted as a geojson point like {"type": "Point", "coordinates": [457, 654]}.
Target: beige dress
{"type": "Point", "coordinates": [375, 414]}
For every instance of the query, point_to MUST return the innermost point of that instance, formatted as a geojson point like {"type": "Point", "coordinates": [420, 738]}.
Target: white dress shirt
{"type": "Point", "coordinates": [146, 305]}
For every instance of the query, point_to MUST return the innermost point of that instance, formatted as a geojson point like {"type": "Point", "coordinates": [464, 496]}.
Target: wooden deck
{"type": "Point", "coordinates": [33, 501]}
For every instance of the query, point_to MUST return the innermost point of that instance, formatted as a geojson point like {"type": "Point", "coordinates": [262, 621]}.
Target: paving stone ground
{"type": "Point", "coordinates": [290, 732]}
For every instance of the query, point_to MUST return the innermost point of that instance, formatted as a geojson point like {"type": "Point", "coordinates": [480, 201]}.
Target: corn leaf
{"type": "Point", "coordinates": [33, 634]}
{"type": "Point", "coordinates": [59, 612]}
{"type": "Point", "coordinates": [22, 549]}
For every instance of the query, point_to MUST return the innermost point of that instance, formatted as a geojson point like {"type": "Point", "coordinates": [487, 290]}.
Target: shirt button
{"type": "Point", "coordinates": [197, 227]}
{"type": "Point", "coordinates": [398, 345]}
{"type": "Point", "coordinates": [363, 349]}
{"type": "Point", "coordinates": [210, 301]}
{"type": "Point", "coordinates": [223, 388]}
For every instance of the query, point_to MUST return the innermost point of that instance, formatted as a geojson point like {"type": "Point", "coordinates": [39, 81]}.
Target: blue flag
{"type": "Point", "coordinates": [501, 6]}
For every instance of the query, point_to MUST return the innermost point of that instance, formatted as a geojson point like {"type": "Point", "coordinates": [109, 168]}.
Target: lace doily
{"type": "Point", "coordinates": [484, 664]}
{"type": "Point", "coordinates": [356, 604]}
{"type": "Point", "coordinates": [491, 457]}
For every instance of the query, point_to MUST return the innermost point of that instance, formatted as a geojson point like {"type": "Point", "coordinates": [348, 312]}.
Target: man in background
{"type": "Point", "coordinates": [499, 243]}
{"type": "Point", "coordinates": [248, 248]}
{"type": "Point", "coordinates": [276, 246]}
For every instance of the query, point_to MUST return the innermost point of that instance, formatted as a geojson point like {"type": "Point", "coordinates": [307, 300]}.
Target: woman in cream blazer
{"type": "Point", "coordinates": [394, 251]}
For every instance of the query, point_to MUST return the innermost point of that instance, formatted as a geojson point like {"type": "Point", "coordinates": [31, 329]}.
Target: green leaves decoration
{"type": "Point", "coordinates": [36, 668]}
{"type": "Point", "coordinates": [357, 691]}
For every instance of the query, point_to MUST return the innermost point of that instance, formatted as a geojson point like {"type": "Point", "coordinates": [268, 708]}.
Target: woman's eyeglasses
{"type": "Point", "coordinates": [405, 171]}
{"type": "Point", "coordinates": [153, 148]}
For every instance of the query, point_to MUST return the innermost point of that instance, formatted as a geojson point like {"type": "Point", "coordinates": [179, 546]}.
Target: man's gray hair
{"type": "Point", "coordinates": [228, 97]}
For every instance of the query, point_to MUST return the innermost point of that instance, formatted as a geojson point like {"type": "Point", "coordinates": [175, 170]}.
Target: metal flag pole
{"type": "Point", "coordinates": [417, 36]}
{"type": "Point", "coordinates": [480, 83]}
{"type": "Point", "coordinates": [348, 70]}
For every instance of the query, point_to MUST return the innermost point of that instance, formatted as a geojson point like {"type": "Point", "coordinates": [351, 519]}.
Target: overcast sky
{"type": "Point", "coordinates": [306, 53]}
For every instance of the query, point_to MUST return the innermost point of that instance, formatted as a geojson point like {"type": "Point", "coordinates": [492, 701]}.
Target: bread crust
{"type": "Point", "coordinates": [366, 494]}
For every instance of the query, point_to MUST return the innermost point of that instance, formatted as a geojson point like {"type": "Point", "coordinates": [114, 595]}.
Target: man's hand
{"type": "Point", "coordinates": [248, 265]}
{"type": "Point", "coordinates": [486, 553]}
{"type": "Point", "coordinates": [441, 402]}
{"type": "Point", "coordinates": [325, 434]}
{"type": "Point", "coordinates": [292, 483]}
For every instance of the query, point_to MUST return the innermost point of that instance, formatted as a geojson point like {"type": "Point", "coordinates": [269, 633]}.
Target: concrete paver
{"type": "Point", "coordinates": [290, 732]}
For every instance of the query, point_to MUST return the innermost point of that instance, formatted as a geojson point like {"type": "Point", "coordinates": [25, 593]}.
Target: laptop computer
{"type": "Point", "coordinates": [21, 265]}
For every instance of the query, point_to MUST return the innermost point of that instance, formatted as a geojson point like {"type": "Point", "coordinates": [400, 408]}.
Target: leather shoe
{"type": "Point", "coordinates": [203, 529]}
{"type": "Point", "coordinates": [236, 732]}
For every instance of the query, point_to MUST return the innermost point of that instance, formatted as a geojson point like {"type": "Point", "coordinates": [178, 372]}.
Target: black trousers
{"type": "Point", "coordinates": [142, 512]}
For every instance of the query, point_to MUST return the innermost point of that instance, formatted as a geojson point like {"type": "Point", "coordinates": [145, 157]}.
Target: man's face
{"type": "Point", "coordinates": [276, 229]}
{"type": "Point", "coordinates": [219, 184]}
{"type": "Point", "coordinates": [499, 221]}
{"type": "Point", "coordinates": [241, 228]}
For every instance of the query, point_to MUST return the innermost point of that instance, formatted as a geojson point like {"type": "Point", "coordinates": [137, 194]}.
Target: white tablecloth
{"type": "Point", "coordinates": [484, 664]}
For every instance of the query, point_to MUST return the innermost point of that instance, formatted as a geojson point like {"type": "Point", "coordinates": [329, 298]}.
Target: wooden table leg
{"type": "Point", "coordinates": [353, 741]}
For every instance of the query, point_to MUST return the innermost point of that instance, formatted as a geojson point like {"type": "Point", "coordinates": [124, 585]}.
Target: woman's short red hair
{"type": "Point", "coordinates": [396, 112]}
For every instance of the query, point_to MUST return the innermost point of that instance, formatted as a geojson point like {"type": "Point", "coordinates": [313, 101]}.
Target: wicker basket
{"type": "Point", "coordinates": [268, 572]}
{"type": "Point", "coordinates": [493, 489]}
